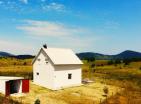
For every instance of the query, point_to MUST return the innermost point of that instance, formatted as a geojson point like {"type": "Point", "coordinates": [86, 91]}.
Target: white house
{"type": "Point", "coordinates": [56, 68]}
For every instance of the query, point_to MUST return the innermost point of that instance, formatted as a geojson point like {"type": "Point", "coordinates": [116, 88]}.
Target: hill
{"type": "Point", "coordinates": [128, 54]}
{"type": "Point", "coordinates": [6, 54]}
{"type": "Point", "coordinates": [98, 56]}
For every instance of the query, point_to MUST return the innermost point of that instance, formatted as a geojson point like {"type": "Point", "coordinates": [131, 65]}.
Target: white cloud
{"type": "Point", "coordinates": [24, 1]}
{"type": "Point", "coordinates": [15, 47]}
{"type": "Point", "coordinates": [59, 35]}
{"type": "Point", "coordinates": [45, 28]}
{"type": "Point", "coordinates": [54, 6]}
{"type": "Point", "coordinates": [78, 44]}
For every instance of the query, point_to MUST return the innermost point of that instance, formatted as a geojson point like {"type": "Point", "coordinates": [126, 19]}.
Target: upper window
{"type": "Point", "coordinates": [37, 73]}
{"type": "Point", "coordinates": [46, 60]}
{"type": "Point", "coordinates": [69, 76]}
{"type": "Point", "coordinates": [38, 59]}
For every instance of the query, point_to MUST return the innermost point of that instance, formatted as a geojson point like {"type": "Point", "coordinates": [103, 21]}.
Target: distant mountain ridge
{"type": "Point", "coordinates": [6, 54]}
{"type": "Point", "coordinates": [128, 54]}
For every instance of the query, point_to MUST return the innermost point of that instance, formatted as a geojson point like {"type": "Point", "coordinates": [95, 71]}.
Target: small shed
{"type": "Point", "coordinates": [12, 85]}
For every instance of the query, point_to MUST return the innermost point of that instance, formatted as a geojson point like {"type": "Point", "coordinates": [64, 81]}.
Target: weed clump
{"type": "Point", "coordinates": [106, 91]}
{"type": "Point", "coordinates": [37, 101]}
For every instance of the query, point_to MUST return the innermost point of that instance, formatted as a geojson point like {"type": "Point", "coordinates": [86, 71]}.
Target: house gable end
{"type": "Point", "coordinates": [45, 54]}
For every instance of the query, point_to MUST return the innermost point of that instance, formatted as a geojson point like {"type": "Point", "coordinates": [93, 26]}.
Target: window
{"type": "Point", "coordinates": [39, 59]}
{"type": "Point", "coordinates": [46, 60]}
{"type": "Point", "coordinates": [69, 76]}
{"type": "Point", "coordinates": [37, 73]}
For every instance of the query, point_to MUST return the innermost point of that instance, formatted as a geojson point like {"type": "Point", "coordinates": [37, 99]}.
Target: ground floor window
{"type": "Point", "coordinates": [69, 76]}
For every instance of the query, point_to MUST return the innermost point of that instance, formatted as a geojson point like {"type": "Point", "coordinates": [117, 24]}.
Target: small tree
{"type": "Point", "coordinates": [117, 61]}
{"type": "Point", "coordinates": [111, 62]}
{"type": "Point", "coordinates": [37, 101]}
{"type": "Point", "coordinates": [126, 62]}
{"type": "Point", "coordinates": [92, 66]}
{"type": "Point", "coordinates": [24, 63]}
{"type": "Point", "coordinates": [14, 63]}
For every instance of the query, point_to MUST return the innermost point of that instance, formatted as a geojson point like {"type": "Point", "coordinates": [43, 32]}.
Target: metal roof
{"type": "Point", "coordinates": [61, 56]}
{"type": "Point", "coordinates": [7, 78]}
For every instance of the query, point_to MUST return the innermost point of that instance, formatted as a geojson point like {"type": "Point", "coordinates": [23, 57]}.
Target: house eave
{"type": "Point", "coordinates": [66, 64]}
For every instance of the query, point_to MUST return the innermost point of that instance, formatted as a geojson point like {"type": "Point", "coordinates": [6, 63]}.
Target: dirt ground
{"type": "Point", "coordinates": [85, 94]}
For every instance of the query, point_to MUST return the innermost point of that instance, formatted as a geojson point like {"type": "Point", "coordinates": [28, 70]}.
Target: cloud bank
{"type": "Point", "coordinates": [15, 47]}
{"type": "Point", "coordinates": [46, 28]}
{"type": "Point", "coordinates": [58, 34]}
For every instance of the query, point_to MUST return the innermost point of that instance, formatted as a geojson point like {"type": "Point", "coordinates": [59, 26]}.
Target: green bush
{"type": "Point", "coordinates": [37, 101]}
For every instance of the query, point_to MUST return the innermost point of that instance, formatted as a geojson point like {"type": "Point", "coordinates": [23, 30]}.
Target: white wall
{"type": "Point", "coordinates": [61, 76]}
{"type": "Point", "coordinates": [20, 90]}
{"type": "Point", "coordinates": [45, 70]}
{"type": "Point", "coordinates": [2, 86]}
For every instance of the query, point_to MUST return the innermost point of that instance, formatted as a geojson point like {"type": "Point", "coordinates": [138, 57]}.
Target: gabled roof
{"type": "Point", "coordinates": [61, 56]}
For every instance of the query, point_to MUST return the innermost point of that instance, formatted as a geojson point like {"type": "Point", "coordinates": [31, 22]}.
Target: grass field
{"type": "Point", "coordinates": [115, 76]}
{"type": "Point", "coordinates": [85, 94]}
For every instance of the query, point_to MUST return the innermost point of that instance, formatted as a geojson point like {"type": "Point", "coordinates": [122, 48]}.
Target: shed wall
{"type": "Point", "coordinates": [2, 86]}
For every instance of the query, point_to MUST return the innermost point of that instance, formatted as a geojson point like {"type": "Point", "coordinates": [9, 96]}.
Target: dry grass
{"type": "Point", "coordinates": [14, 62]}
{"type": "Point", "coordinates": [126, 77]}
{"type": "Point", "coordinates": [86, 94]}
{"type": "Point", "coordinates": [19, 71]}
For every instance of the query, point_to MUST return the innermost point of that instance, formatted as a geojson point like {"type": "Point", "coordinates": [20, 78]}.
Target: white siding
{"type": "Point", "coordinates": [20, 90]}
{"type": "Point", "coordinates": [2, 86]}
{"type": "Point", "coordinates": [45, 70]}
{"type": "Point", "coordinates": [61, 76]}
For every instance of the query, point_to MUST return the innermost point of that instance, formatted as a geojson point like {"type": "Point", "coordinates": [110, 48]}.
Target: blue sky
{"type": "Point", "coordinates": [105, 26]}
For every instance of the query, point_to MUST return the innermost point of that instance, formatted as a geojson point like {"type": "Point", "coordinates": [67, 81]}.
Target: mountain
{"type": "Point", "coordinates": [24, 56]}
{"type": "Point", "coordinates": [5, 54]}
{"type": "Point", "coordinates": [98, 56]}
{"type": "Point", "coordinates": [128, 54]}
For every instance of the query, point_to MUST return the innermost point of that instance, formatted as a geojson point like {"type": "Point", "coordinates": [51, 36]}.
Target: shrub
{"type": "Point", "coordinates": [111, 62]}
{"type": "Point", "coordinates": [106, 90]}
{"type": "Point", "coordinates": [37, 101]}
{"type": "Point", "coordinates": [24, 63]}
